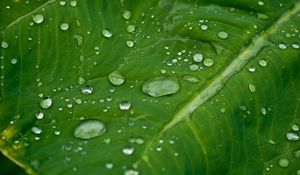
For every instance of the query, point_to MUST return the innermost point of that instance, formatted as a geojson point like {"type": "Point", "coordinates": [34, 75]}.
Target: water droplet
{"type": "Point", "coordinates": [79, 40]}
{"type": "Point", "coordinates": [284, 162]}
{"type": "Point", "coordinates": [252, 87]}
{"type": "Point", "coordinates": [295, 127]}
{"type": "Point", "coordinates": [56, 132]}
{"type": "Point", "coordinates": [295, 46]}
{"type": "Point", "coordinates": [106, 33]}
{"type": "Point", "coordinates": [126, 14]}
{"type": "Point", "coordinates": [130, 43]}
{"type": "Point", "coordinates": [297, 154]}
{"type": "Point", "coordinates": [260, 3]}
{"type": "Point", "coordinates": [263, 63]}
{"type": "Point", "coordinates": [64, 26]}
{"type": "Point", "coordinates": [251, 69]}
{"type": "Point", "coordinates": [263, 111]}
{"type": "Point", "coordinates": [86, 90]}
{"type": "Point", "coordinates": [109, 165]}
{"type": "Point", "coordinates": [282, 46]}
{"type": "Point", "coordinates": [128, 151]}
{"type": "Point", "coordinates": [190, 79]}
{"type": "Point", "coordinates": [39, 115]}
{"type": "Point", "coordinates": [38, 18]}
{"type": "Point", "coordinates": [208, 62]}
{"type": "Point", "coordinates": [62, 3]}
{"type": "Point", "coordinates": [73, 3]}
{"type": "Point", "coordinates": [36, 130]}
{"type": "Point", "coordinates": [161, 86]}
{"type": "Point", "coordinates": [4, 44]}
{"type": "Point", "coordinates": [223, 35]}
{"type": "Point", "coordinates": [125, 105]}
{"type": "Point", "coordinates": [116, 78]}
{"type": "Point", "coordinates": [89, 129]}
{"type": "Point", "coordinates": [292, 136]}
{"type": "Point", "coordinates": [46, 103]}
{"type": "Point", "coordinates": [78, 101]}
{"type": "Point", "coordinates": [130, 28]}
{"type": "Point", "coordinates": [204, 27]}
{"type": "Point", "coordinates": [198, 57]}
{"type": "Point", "coordinates": [13, 61]}
{"type": "Point", "coordinates": [81, 80]}
{"type": "Point", "coordinates": [193, 67]}
{"type": "Point", "coordinates": [131, 172]}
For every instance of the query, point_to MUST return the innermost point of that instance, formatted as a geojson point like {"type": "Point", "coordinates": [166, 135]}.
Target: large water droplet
{"type": "Point", "coordinates": [124, 105]}
{"type": "Point", "coordinates": [131, 172]}
{"type": "Point", "coordinates": [46, 103]}
{"type": "Point", "coordinates": [208, 62]}
{"type": "Point", "coordinates": [198, 57]}
{"type": "Point", "coordinates": [87, 90]}
{"type": "Point", "coordinates": [223, 35]}
{"type": "Point", "coordinates": [128, 151]}
{"type": "Point", "coordinates": [116, 78]}
{"type": "Point", "coordinates": [38, 18]}
{"type": "Point", "coordinates": [106, 33]}
{"type": "Point", "coordinates": [89, 129]}
{"type": "Point", "coordinates": [64, 26]}
{"type": "Point", "coordinates": [161, 86]}
{"type": "Point", "coordinates": [292, 136]}
{"type": "Point", "coordinates": [284, 162]}
{"type": "Point", "coordinates": [263, 63]}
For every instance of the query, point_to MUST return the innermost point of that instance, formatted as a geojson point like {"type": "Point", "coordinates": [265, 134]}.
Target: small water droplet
{"type": "Point", "coordinates": [116, 78]}
{"type": "Point", "coordinates": [131, 172]}
{"type": "Point", "coordinates": [62, 3]}
{"type": "Point", "coordinates": [124, 105]}
{"type": "Point", "coordinates": [106, 33]}
{"type": "Point", "coordinates": [64, 26]}
{"type": "Point", "coordinates": [208, 62]}
{"type": "Point", "coordinates": [295, 127]}
{"type": "Point", "coordinates": [223, 35]}
{"type": "Point", "coordinates": [282, 46]}
{"type": "Point", "coordinates": [263, 63]}
{"type": "Point", "coordinates": [161, 86]}
{"type": "Point", "coordinates": [56, 132]}
{"type": "Point", "coordinates": [263, 111]}
{"type": "Point", "coordinates": [190, 79]}
{"type": "Point", "coordinates": [260, 3]}
{"type": "Point", "coordinates": [38, 18]}
{"type": "Point", "coordinates": [39, 115]}
{"type": "Point", "coordinates": [109, 165]}
{"type": "Point", "coordinates": [204, 27]}
{"type": "Point", "coordinates": [198, 57]}
{"type": "Point", "coordinates": [46, 103]}
{"type": "Point", "coordinates": [4, 44]}
{"type": "Point", "coordinates": [295, 46]}
{"type": "Point", "coordinates": [130, 43]}
{"type": "Point", "coordinates": [128, 151]}
{"type": "Point", "coordinates": [13, 61]}
{"type": "Point", "coordinates": [130, 28]}
{"type": "Point", "coordinates": [87, 90]}
{"type": "Point", "coordinates": [251, 69]}
{"type": "Point", "coordinates": [126, 14]}
{"type": "Point", "coordinates": [284, 162]}
{"type": "Point", "coordinates": [252, 87]}
{"type": "Point", "coordinates": [193, 67]}
{"type": "Point", "coordinates": [36, 130]}
{"type": "Point", "coordinates": [291, 136]}
{"type": "Point", "coordinates": [81, 80]}
{"type": "Point", "coordinates": [78, 101]}
{"type": "Point", "coordinates": [296, 154]}
{"type": "Point", "coordinates": [73, 3]}
{"type": "Point", "coordinates": [89, 129]}
{"type": "Point", "coordinates": [79, 40]}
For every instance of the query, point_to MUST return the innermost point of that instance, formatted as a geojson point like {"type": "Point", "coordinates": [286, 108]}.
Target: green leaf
{"type": "Point", "coordinates": [151, 87]}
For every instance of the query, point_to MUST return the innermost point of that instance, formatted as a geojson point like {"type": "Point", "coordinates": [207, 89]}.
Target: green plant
{"type": "Point", "coordinates": [151, 87]}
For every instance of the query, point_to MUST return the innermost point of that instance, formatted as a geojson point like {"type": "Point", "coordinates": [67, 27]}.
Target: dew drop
{"type": "Point", "coordinates": [73, 3]}
{"type": "Point", "coordinates": [87, 90]}
{"type": "Point", "coordinates": [46, 103]}
{"type": "Point", "coordinates": [126, 14]}
{"type": "Point", "coordinates": [284, 162]}
{"type": "Point", "coordinates": [64, 26]}
{"type": "Point", "coordinates": [297, 154]}
{"type": "Point", "coordinates": [252, 87]}
{"type": "Point", "coordinates": [4, 44]}
{"type": "Point", "coordinates": [190, 79]}
{"type": "Point", "coordinates": [260, 3]}
{"type": "Point", "coordinates": [116, 78]}
{"type": "Point", "coordinates": [130, 43]}
{"type": "Point", "coordinates": [89, 129]}
{"type": "Point", "coordinates": [128, 151]}
{"type": "Point", "coordinates": [198, 57]}
{"type": "Point", "coordinates": [131, 172]}
{"type": "Point", "coordinates": [109, 165]}
{"type": "Point", "coordinates": [193, 67]}
{"type": "Point", "coordinates": [81, 80]}
{"type": "Point", "coordinates": [263, 63]}
{"type": "Point", "coordinates": [124, 105]}
{"type": "Point", "coordinates": [161, 86]}
{"type": "Point", "coordinates": [282, 46]}
{"type": "Point", "coordinates": [36, 130]}
{"type": "Point", "coordinates": [223, 35]}
{"type": "Point", "coordinates": [39, 115]}
{"type": "Point", "coordinates": [251, 69]}
{"type": "Point", "coordinates": [106, 33]}
{"type": "Point", "coordinates": [208, 62]}
{"type": "Point", "coordinates": [295, 127]}
{"type": "Point", "coordinates": [13, 61]}
{"type": "Point", "coordinates": [295, 46]}
{"type": "Point", "coordinates": [79, 40]}
{"type": "Point", "coordinates": [38, 19]}
{"type": "Point", "coordinates": [204, 27]}
{"type": "Point", "coordinates": [292, 136]}
{"type": "Point", "coordinates": [130, 28]}
{"type": "Point", "coordinates": [56, 132]}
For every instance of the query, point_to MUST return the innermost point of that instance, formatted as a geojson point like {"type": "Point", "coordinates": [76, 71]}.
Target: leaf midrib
{"type": "Point", "coordinates": [214, 86]}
